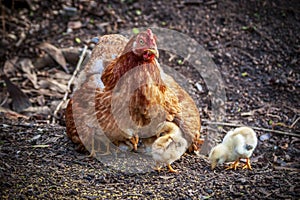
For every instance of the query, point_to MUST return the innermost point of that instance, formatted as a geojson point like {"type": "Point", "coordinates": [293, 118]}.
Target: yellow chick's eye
{"type": "Point", "coordinates": [141, 42]}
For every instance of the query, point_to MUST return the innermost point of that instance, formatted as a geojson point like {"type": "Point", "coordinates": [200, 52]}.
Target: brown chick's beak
{"type": "Point", "coordinates": [150, 54]}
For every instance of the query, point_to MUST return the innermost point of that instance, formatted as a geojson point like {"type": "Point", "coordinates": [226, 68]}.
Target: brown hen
{"type": "Point", "coordinates": [132, 97]}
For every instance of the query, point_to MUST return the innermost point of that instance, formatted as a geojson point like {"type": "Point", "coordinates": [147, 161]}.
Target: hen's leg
{"type": "Point", "coordinates": [134, 140]}
{"type": "Point", "coordinates": [197, 142]}
{"type": "Point", "coordinates": [171, 169]}
{"type": "Point", "coordinates": [93, 152]}
{"type": "Point", "coordinates": [233, 165]}
{"type": "Point", "coordinates": [247, 165]}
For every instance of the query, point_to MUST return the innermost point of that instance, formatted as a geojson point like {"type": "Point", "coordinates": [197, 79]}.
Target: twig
{"type": "Point", "coordinates": [132, 194]}
{"type": "Point", "coordinates": [70, 83]}
{"type": "Point", "coordinates": [295, 122]}
{"type": "Point", "coordinates": [255, 128]}
{"type": "Point", "coordinates": [3, 19]}
{"type": "Point", "coordinates": [286, 168]}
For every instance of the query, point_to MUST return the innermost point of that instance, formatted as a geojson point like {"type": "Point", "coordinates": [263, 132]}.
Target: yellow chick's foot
{"type": "Point", "coordinates": [247, 165]}
{"type": "Point", "coordinates": [171, 169]}
{"type": "Point", "coordinates": [233, 165]}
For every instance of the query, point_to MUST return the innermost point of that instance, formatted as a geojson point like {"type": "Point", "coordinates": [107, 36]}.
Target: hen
{"type": "Point", "coordinates": [131, 98]}
{"type": "Point", "coordinates": [237, 144]}
{"type": "Point", "coordinates": [169, 147]}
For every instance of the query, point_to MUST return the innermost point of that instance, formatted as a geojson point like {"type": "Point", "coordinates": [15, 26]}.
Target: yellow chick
{"type": "Point", "coordinates": [237, 144]}
{"type": "Point", "coordinates": [169, 147]}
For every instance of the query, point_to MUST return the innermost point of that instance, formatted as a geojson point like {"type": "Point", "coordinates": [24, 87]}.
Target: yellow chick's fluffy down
{"type": "Point", "coordinates": [169, 147]}
{"type": "Point", "coordinates": [238, 143]}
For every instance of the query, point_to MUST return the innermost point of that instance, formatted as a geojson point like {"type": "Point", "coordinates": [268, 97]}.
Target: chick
{"type": "Point", "coordinates": [237, 144]}
{"type": "Point", "coordinates": [168, 147]}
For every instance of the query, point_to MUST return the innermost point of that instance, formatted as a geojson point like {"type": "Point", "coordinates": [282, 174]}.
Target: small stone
{"type": "Point", "coordinates": [199, 87]}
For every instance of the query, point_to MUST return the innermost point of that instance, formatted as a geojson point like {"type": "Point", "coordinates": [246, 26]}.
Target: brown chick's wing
{"type": "Point", "coordinates": [189, 119]}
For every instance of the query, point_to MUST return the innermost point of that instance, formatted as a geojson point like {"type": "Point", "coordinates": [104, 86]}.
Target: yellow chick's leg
{"type": "Point", "coordinates": [171, 169]}
{"type": "Point", "coordinates": [134, 140]}
{"type": "Point", "coordinates": [233, 165]}
{"type": "Point", "coordinates": [247, 165]}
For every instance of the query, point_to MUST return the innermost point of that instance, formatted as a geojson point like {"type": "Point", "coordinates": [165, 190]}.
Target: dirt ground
{"type": "Point", "coordinates": [255, 46]}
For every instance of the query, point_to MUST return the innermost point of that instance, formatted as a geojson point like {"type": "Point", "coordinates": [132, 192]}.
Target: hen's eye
{"type": "Point", "coordinates": [141, 42]}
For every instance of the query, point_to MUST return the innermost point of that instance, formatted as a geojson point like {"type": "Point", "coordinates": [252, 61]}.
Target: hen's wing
{"type": "Point", "coordinates": [107, 119]}
{"type": "Point", "coordinates": [81, 121]}
{"type": "Point", "coordinates": [106, 50]}
{"type": "Point", "coordinates": [189, 118]}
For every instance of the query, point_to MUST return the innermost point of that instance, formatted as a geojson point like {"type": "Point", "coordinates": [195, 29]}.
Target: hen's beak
{"type": "Point", "coordinates": [152, 52]}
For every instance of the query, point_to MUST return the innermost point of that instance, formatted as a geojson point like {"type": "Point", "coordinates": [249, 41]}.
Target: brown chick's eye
{"type": "Point", "coordinates": [142, 42]}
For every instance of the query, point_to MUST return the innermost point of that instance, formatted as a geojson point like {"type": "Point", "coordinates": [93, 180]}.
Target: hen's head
{"type": "Point", "coordinates": [143, 45]}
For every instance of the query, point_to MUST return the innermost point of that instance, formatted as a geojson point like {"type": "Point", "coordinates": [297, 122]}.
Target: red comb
{"type": "Point", "coordinates": [149, 32]}
{"type": "Point", "coordinates": [151, 36]}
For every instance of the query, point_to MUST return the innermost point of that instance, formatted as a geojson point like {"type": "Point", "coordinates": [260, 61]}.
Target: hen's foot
{"type": "Point", "coordinates": [200, 141]}
{"type": "Point", "coordinates": [92, 154]}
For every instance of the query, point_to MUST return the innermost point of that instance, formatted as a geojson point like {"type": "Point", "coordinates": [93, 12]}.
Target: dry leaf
{"type": "Point", "coordinates": [9, 114]}
{"type": "Point", "coordinates": [53, 85]}
{"type": "Point", "coordinates": [44, 92]}
{"type": "Point", "coordinates": [40, 100]}
{"type": "Point", "coordinates": [62, 75]}
{"type": "Point", "coordinates": [40, 110]}
{"type": "Point", "coordinates": [20, 100]}
{"type": "Point", "coordinates": [56, 54]}
{"type": "Point", "coordinates": [70, 54]}
{"type": "Point", "coordinates": [10, 66]}
{"type": "Point", "coordinates": [27, 67]}
{"type": "Point", "coordinates": [75, 25]}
